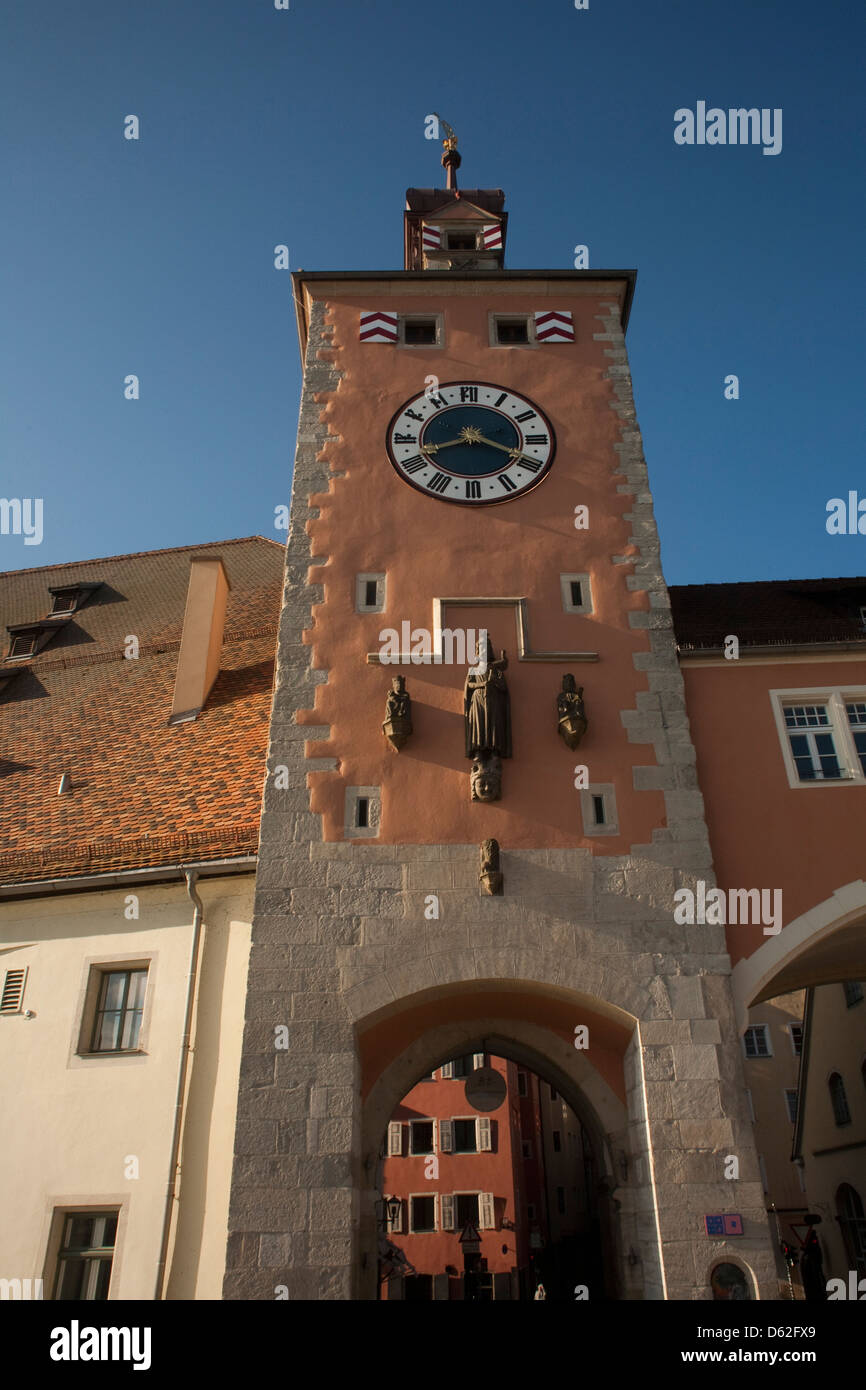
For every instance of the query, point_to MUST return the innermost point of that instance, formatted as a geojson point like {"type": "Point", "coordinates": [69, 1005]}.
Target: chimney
{"type": "Point", "coordinates": [202, 637]}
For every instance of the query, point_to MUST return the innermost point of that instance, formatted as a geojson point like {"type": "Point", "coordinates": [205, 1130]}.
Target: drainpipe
{"type": "Point", "coordinates": [191, 876]}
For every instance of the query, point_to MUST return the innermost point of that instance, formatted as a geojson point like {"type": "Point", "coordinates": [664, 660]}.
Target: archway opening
{"type": "Point", "coordinates": [491, 1190]}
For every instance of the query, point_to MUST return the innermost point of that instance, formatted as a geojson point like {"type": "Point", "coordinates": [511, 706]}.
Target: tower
{"type": "Point", "coordinates": [485, 858]}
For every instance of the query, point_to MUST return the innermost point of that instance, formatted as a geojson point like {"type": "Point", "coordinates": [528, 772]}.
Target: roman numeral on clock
{"type": "Point", "coordinates": [412, 465]}
{"type": "Point", "coordinates": [532, 464]}
{"type": "Point", "coordinates": [439, 482]}
{"type": "Point", "coordinates": [506, 482]}
{"type": "Point", "coordinates": [525, 415]}
{"type": "Point", "coordinates": [500, 399]}
{"type": "Point", "coordinates": [469, 393]}
{"type": "Point", "coordinates": [405, 438]}
{"type": "Point", "coordinates": [473, 488]}
{"type": "Point", "coordinates": [437, 401]}
{"type": "Point", "coordinates": [413, 415]}
{"type": "Point", "coordinates": [535, 439]}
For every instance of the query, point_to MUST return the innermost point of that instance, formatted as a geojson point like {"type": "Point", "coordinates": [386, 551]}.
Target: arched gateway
{"type": "Point", "coordinates": [489, 858]}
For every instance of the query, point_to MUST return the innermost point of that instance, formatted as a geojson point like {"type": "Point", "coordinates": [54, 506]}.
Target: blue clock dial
{"type": "Point", "coordinates": [471, 443]}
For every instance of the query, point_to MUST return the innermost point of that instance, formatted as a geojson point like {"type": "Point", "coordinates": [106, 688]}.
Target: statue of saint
{"type": "Point", "coordinates": [487, 708]}
{"type": "Point", "coordinates": [398, 713]}
{"type": "Point", "coordinates": [571, 712]}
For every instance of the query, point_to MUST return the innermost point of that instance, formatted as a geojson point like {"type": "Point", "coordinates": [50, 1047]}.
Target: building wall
{"type": "Point", "coordinates": [834, 1154]}
{"type": "Point", "coordinates": [74, 1122]}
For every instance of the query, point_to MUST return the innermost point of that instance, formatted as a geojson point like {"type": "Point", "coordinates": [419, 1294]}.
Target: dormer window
{"type": "Point", "coordinates": [65, 600]}
{"type": "Point", "coordinates": [25, 642]}
{"type": "Point", "coordinates": [68, 598]}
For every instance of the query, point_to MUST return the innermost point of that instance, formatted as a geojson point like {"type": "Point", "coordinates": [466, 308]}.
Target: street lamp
{"type": "Point", "coordinates": [388, 1212]}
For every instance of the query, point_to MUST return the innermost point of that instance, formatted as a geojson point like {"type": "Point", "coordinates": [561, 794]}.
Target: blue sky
{"type": "Point", "coordinates": [306, 126]}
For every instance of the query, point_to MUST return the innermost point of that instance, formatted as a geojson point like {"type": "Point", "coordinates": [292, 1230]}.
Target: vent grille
{"type": "Point", "coordinates": [13, 991]}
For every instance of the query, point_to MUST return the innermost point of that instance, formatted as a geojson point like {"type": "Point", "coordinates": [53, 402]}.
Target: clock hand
{"type": "Point", "coordinates": [515, 453]}
{"type": "Point", "coordinates": [434, 448]}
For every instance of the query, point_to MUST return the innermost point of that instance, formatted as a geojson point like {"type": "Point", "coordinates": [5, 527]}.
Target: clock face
{"type": "Point", "coordinates": [471, 443]}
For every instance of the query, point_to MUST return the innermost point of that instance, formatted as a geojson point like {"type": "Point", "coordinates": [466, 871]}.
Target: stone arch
{"type": "Point", "coordinates": [825, 945]}
{"type": "Point", "coordinates": [484, 1026]}
{"type": "Point", "coordinates": [725, 1257]}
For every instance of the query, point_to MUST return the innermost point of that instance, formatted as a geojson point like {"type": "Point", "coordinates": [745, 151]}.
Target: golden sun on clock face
{"type": "Point", "coordinates": [471, 443]}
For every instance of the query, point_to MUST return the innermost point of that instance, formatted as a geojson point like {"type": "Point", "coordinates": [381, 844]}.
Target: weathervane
{"type": "Point", "coordinates": [450, 158]}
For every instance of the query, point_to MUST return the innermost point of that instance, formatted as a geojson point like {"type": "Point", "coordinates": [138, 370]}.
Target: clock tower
{"type": "Point", "coordinates": [481, 794]}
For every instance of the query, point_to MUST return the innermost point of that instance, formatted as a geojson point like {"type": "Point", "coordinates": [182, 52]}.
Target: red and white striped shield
{"type": "Point", "coordinates": [554, 326]}
{"type": "Point", "coordinates": [431, 238]}
{"type": "Point", "coordinates": [378, 326]}
{"type": "Point", "coordinates": [492, 236]}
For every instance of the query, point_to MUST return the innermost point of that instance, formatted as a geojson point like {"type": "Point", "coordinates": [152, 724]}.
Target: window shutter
{"type": "Point", "coordinates": [378, 326]}
{"type": "Point", "coordinates": [13, 991]}
{"type": "Point", "coordinates": [491, 234]}
{"type": "Point", "coordinates": [477, 1060]}
{"type": "Point", "coordinates": [448, 1071]}
{"type": "Point", "coordinates": [554, 326]}
{"type": "Point", "coordinates": [482, 1124]}
{"type": "Point", "coordinates": [446, 1136]}
{"type": "Point", "coordinates": [395, 1139]}
{"type": "Point", "coordinates": [485, 1208]}
{"type": "Point", "coordinates": [431, 237]}
{"type": "Point", "coordinates": [396, 1226]}
{"type": "Point", "coordinates": [447, 1212]}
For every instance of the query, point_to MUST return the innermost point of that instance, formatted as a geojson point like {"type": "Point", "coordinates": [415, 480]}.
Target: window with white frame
{"type": "Point", "coordinates": [86, 1255]}
{"type": "Point", "coordinates": [466, 1136]}
{"type": "Point", "coordinates": [823, 735]}
{"type": "Point", "coordinates": [422, 1214]}
{"type": "Point", "coordinates": [756, 1041]}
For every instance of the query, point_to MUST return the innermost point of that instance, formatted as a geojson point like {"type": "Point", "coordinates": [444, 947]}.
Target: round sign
{"type": "Point", "coordinates": [485, 1089]}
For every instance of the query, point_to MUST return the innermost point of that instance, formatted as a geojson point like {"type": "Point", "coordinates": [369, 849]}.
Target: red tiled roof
{"type": "Point", "coordinates": [777, 612]}
{"type": "Point", "coordinates": [141, 793]}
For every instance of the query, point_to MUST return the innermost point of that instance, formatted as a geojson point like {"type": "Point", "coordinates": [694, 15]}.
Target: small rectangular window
{"type": "Point", "coordinates": [422, 1213]}
{"type": "Point", "coordinates": [461, 241]}
{"type": "Point", "coordinates": [370, 593]}
{"type": "Point", "coordinates": [576, 592]}
{"type": "Point", "coordinates": [466, 1208]}
{"type": "Point", "coordinates": [465, 1137]}
{"type": "Point", "coordinates": [756, 1041]}
{"type": "Point", "coordinates": [812, 744]}
{"type": "Point", "coordinates": [65, 600]}
{"type": "Point", "coordinates": [86, 1255]}
{"type": "Point", "coordinates": [24, 644]}
{"type": "Point", "coordinates": [421, 1137]}
{"type": "Point", "coordinates": [521, 1083]}
{"type": "Point", "coordinates": [856, 711]}
{"type": "Point", "coordinates": [119, 1011]}
{"type": "Point", "coordinates": [598, 809]}
{"type": "Point", "coordinates": [510, 331]}
{"type": "Point", "coordinates": [796, 1031]}
{"type": "Point", "coordinates": [362, 807]}
{"type": "Point", "coordinates": [791, 1104]}
{"type": "Point", "coordinates": [420, 332]}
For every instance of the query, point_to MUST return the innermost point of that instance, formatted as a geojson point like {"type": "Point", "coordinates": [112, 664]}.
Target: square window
{"type": "Point", "coordinates": [511, 332]}
{"type": "Point", "coordinates": [421, 1137]}
{"type": "Point", "coordinates": [465, 1208]}
{"type": "Point", "coordinates": [422, 1213]}
{"type": "Point", "coordinates": [465, 1137]}
{"type": "Point", "coordinates": [119, 1010]}
{"type": "Point", "coordinates": [420, 332]}
{"type": "Point", "coordinates": [86, 1254]}
{"type": "Point", "coordinates": [756, 1041]}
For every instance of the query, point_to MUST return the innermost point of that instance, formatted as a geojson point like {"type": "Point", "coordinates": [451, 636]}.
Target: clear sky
{"type": "Point", "coordinates": [305, 126]}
